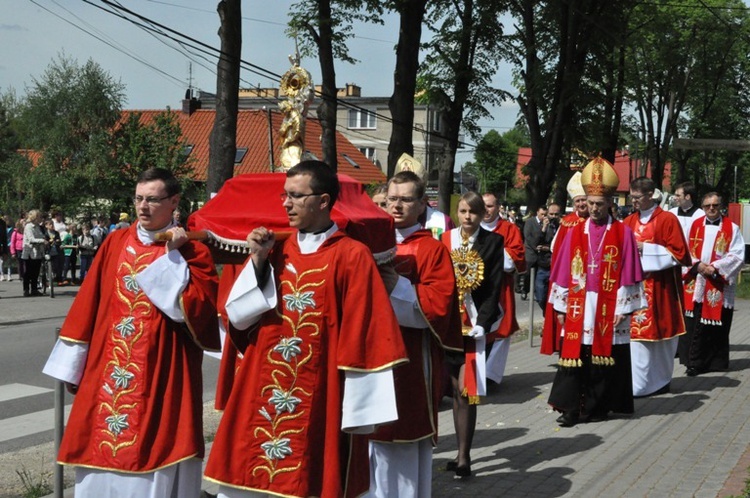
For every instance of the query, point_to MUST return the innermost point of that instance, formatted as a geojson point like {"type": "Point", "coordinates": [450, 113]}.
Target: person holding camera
{"type": "Point", "coordinates": [538, 234]}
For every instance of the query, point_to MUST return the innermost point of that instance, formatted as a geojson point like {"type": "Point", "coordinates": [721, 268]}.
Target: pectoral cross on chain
{"type": "Point", "coordinates": [593, 266]}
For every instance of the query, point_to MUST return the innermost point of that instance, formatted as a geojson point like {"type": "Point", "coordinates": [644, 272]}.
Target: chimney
{"type": "Point", "coordinates": [353, 90]}
{"type": "Point", "coordinates": [190, 104]}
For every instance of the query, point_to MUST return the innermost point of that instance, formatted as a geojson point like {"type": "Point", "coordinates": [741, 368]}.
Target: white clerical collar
{"type": "Point", "coordinates": [490, 226]}
{"type": "Point", "coordinates": [402, 233]}
{"type": "Point", "coordinates": [311, 242]}
{"type": "Point", "coordinates": [645, 215]}
{"type": "Point", "coordinates": [148, 237]}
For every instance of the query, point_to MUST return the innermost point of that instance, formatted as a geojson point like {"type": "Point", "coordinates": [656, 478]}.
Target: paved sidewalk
{"type": "Point", "coordinates": [690, 442]}
{"type": "Point", "coordinates": [685, 443]}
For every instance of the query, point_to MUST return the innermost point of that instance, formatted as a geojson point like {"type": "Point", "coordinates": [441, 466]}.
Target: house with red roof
{"type": "Point", "coordinates": [259, 143]}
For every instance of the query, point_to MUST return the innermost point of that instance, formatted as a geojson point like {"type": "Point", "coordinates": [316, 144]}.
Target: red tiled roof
{"type": "Point", "coordinates": [626, 170]}
{"type": "Point", "coordinates": [32, 155]}
{"type": "Point", "coordinates": [252, 132]}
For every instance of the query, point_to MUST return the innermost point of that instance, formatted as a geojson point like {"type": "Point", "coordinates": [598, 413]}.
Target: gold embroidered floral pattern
{"type": "Point", "coordinates": [121, 371]}
{"type": "Point", "coordinates": [288, 356]}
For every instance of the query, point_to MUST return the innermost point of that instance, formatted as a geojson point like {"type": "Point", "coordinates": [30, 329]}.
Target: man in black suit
{"type": "Point", "coordinates": [538, 234]}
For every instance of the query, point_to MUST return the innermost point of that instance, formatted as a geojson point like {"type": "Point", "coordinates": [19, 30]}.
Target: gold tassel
{"type": "Point", "coordinates": [465, 393]}
{"type": "Point", "coordinates": [473, 400]}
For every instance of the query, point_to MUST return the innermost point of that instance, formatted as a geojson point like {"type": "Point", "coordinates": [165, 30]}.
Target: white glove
{"type": "Point", "coordinates": [476, 331]}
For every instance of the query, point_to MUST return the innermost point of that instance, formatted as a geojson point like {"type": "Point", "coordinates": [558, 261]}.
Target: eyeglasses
{"type": "Point", "coordinates": [381, 204]}
{"type": "Point", "coordinates": [393, 199]}
{"type": "Point", "coordinates": [712, 206]}
{"type": "Point", "coordinates": [294, 196]}
{"type": "Point", "coordinates": [151, 201]}
{"type": "Point", "coordinates": [637, 197]}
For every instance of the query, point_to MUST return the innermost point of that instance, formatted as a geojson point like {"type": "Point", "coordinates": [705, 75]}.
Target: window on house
{"type": "Point", "coordinates": [368, 152]}
{"type": "Point", "coordinates": [351, 161]}
{"type": "Point", "coordinates": [360, 118]}
{"type": "Point", "coordinates": [187, 150]}
{"type": "Point", "coordinates": [239, 155]}
{"type": "Point", "coordinates": [310, 155]}
{"type": "Point", "coordinates": [436, 121]}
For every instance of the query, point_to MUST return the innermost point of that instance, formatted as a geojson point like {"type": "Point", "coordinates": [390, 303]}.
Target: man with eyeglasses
{"type": "Point", "coordinates": [655, 330]}
{"type": "Point", "coordinates": [319, 340]}
{"type": "Point", "coordinates": [131, 349]}
{"type": "Point", "coordinates": [423, 295]}
{"type": "Point", "coordinates": [514, 262]}
{"type": "Point", "coordinates": [717, 249]}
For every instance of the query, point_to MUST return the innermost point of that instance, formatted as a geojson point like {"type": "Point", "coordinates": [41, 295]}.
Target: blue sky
{"type": "Point", "coordinates": [155, 75]}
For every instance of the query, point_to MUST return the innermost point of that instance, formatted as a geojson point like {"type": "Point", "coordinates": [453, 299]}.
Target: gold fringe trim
{"type": "Point", "coordinates": [474, 400]}
{"type": "Point", "coordinates": [569, 362]}
{"type": "Point", "coordinates": [604, 361]}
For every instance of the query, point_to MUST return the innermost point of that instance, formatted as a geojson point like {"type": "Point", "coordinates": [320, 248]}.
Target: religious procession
{"type": "Point", "coordinates": [343, 321]}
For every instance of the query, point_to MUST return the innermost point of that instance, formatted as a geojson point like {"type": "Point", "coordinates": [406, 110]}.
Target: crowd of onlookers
{"type": "Point", "coordinates": [70, 247]}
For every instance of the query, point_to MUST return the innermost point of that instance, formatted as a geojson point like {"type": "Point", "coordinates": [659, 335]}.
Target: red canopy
{"type": "Point", "coordinates": [249, 201]}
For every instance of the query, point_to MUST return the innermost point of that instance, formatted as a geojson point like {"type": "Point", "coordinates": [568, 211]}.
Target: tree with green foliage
{"type": "Point", "coordinates": [324, 27]}
{"type": "Point", "coordinates": [717, 103]}
{"type": "Point", "coordinates": [494, 164]}
{"type": "Point", "coordinates": [459, 63]}
{"type": "Point", "coordinates": [137, 146]}
{"type": "Point", "coordinates": [89, 157]}
{"type": "Point", "coordinates": [550, 50]}
{"type": "Point", "coordinates": [66, 115]}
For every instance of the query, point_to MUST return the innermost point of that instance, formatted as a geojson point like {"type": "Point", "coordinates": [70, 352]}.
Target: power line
{"type": "Point", "coordinates": [110, 44]}
{"type": "Point", "coordinates": [258, 70]}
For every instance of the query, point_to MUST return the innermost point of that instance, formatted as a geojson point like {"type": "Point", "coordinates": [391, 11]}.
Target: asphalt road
{"type": "Point", "coordinates": [27, 334]}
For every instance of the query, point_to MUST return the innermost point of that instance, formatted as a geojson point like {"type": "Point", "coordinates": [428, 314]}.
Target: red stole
{"type": "Point", "coordinates": [713, 292]}
{"type": "Point", "coordinates": [610, 260]}
{"type": "Point", "coordinates": [551, 328]}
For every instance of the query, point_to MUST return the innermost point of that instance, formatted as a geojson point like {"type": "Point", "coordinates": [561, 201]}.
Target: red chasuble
{"type": "Point", "coordinates": [427, 264]}
{"type": "Point", "coordinates": [230, 357]}
{"type": "Point", "coordinates": [139, 404]}
{"type": "Point", "coordinates": [552, 329]}
{"type": "Point", "coordinates": [513, 243]}
{"type": "Point", "coordinates": [281, 430]}
{"type": "Point", "coordinates": [663, 318]}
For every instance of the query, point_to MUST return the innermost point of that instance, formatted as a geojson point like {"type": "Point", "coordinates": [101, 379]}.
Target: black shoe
{"type": "Point", "coordinates": [36, 294]}
{"type": "Point", "coordinates": [451, 466]}
{"type": "Point", "coordinates": [691, 371]}
{"type": "Point", "coordinates": [463, 471]}
{"type": "Point", "coordinates": [597, 417]}
{"type": "Point", "coordinates": [568, 419]}
{"type": "Point", "coordinates": [524, 297]}
{"type": "Point", "coordinates": [26, 294]}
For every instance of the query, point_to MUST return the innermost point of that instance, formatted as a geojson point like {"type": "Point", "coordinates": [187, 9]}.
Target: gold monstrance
{"type": "Point", "coordinates": [469, 270]}
{"type": "Point", "coordinates": [297, 85]}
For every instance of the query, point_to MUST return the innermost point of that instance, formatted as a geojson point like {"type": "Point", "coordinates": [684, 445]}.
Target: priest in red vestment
{"type": "Point", "coordinates": [654, 331]}
{"type": "Point", "coordinates": [717, 250]}
{"type": "Point", "coordinates": [515, 262]}
{"type": "Point", "coordinates": [551, 328]}
{"type": "Point", "coordinates": [423, 295]}
{"type": "Point", "coordinates": [131, 349]}
{"type": "Point", "coordinates": [319, 341]}
{"type": "Point", "coordinates": [597, 281]}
